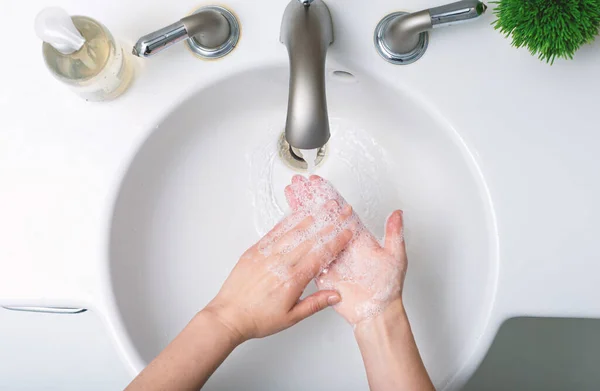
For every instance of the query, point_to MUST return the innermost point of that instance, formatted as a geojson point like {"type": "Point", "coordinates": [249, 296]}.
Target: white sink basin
{"type": "Point", "coordinates": [209, 182]}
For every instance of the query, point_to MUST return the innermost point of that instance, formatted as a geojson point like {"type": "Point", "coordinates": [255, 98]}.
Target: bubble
{"type": "Point", "coordinates": [281, 270]}
{"type": "Point", "coordinates": [368, 310]}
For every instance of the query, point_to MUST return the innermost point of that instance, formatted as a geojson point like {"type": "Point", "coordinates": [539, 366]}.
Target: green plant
{"type": "Point", "coordinates": [548, 28]}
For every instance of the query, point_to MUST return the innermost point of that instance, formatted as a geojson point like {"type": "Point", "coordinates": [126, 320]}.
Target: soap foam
{"type": "Point", "coordinates": [322, 219]}
{"type": "Point", "coordinates": [265, 245]}
{"type": "Point", "coordinates": [363, 263]}
{"type": "Point", "coordinates": [312, 200]}
{"type": "Point", "coordinates": [281, 270]}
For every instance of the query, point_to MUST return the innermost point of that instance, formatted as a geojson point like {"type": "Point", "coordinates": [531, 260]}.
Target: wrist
{"type": "Point", "coordinates": [215, 317]}
{"type": "Point", "coordinates": [389, 351]}
{"type": "Point", "coordinates": [393, 316]}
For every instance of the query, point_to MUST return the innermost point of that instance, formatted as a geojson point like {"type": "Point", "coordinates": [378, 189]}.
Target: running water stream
{"type": "Point", "coordinates": [310, 157]}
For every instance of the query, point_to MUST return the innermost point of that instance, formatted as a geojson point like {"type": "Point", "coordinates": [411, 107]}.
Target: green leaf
{"type": "Point", "coordinates": [549, 29]}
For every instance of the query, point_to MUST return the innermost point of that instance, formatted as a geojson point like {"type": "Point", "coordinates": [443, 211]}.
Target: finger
{"type": "Point", "coordinates": [324, 248]}
{"type": "Point", "coordinates": [328, 278]}
{"type": "Point", "coordinates": [332, 217]}
{"type": "Point", "coordinates": [292, 238]}
{"type": "Point", "coordinates": [299, 179]}
{"type": "Point", "coordinates": [394, 235]}
{"type": "Point", "coordinates": [322, 190]}
{"type": "Point", "coordinates": [305, 231]}
{"type": "Point", "coordinates": [312, 304]}
{"type": "Point", "coordinates": [317, 260]}
{"type": "Point", "coordinates": [285, 225]}
{"type": "Point", "coordinates": [297, 193]}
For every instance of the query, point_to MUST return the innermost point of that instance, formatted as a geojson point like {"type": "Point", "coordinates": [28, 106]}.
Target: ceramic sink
{"type": "Point", "coordinates": [140, 207]}
{"type": "Point", "coordinates": [198, 194]}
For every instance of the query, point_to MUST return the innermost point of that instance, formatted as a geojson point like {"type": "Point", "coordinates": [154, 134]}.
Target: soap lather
{"type": "Point", "coordinates": [82, 53]}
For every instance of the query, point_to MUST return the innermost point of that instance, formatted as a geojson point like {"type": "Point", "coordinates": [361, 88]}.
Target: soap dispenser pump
{"type": "Point", "coordinates": [82, 53]}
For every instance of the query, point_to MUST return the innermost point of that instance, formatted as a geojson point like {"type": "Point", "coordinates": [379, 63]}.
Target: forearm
{"type": "Point", "coordinates": [191, 358]}
{"type": "Point", "coordinates": [390, 353]}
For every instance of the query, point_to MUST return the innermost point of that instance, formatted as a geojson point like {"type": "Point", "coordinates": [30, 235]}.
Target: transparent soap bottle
{"type": "Point", "coordinates": [82, 53]}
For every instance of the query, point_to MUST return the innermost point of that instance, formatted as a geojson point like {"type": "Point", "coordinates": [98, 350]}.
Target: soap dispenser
{"type": "Point", "coordinates": [82, 53]}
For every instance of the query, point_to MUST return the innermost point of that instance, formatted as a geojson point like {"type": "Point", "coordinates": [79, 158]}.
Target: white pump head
{"type": "Point", "coordinates": [54, 25]}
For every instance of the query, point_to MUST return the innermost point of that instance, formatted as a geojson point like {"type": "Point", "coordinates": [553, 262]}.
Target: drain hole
{"type": "Point", "coordinates": [295, 155]}
{"type": "Point", "coordinates": [291, 156]}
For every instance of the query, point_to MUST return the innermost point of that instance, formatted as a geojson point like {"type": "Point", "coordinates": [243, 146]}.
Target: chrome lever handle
{"type": "Point", "coordinates": [211, 32]}
{"type": "Point", "coordinates": [402, 38]}
{"type": "Point", "coordinates": [161, 39]}
{"type": "Point", "coordinates": [458, 12]}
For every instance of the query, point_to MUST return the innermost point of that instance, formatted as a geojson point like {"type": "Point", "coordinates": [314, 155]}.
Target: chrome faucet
{"type": "Point", "coordinates": [307, 32]}
{"type": "Point", "coordinates": [402, 38]}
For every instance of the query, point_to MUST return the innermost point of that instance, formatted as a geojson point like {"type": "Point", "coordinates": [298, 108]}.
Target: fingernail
{"type": "Point", "coordinates": [347, 211]}
{"type": "Point", "coordinates": [331, 204]}
{"type": "Point", "coordinates": [399, 217]}
{"type": "Point", "coordinates": [333, 299]}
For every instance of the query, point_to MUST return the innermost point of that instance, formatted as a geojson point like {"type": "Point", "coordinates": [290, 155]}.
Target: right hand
{"type": "Point", "coordinates": [368, 276]}
{"type": "Point", "coordinates": [261, 296]}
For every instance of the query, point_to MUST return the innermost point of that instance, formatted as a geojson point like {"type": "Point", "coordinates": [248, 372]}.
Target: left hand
{"type": "Point", "coordinates": [368, 276]}
{"type": "Point", "coordinates": [261, 295]}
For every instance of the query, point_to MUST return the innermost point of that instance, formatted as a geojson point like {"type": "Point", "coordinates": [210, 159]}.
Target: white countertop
{"type": "Point", "coordinates": [533, 129]}
{"type": "Point", "coordinates": [43, 352]}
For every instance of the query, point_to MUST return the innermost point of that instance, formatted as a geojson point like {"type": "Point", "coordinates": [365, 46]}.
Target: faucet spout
{"type": "Point", "coordinates": [307, 32]}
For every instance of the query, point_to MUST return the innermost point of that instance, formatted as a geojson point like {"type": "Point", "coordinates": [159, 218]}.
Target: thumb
{"type": "Point", "coordinates": [394, 235]}
{"type": "Point", "coordinates": [312, 304]}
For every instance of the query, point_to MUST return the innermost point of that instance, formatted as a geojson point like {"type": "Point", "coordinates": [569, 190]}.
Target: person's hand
{"type": "Point", "coordinates": [368, 276]}
{"type": "Point", "coordinates": [261, 295]}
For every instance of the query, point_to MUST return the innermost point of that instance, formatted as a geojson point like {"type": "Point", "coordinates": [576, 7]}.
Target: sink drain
{"type": "Point", "coordinates": [292, 157]}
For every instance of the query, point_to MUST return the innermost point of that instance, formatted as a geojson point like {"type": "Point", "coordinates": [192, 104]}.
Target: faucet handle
{"type": "Point", "coordinates": [402, 38]}
{"type": "Point", "coordinates": [459, 12]}
{"type": "Point", "coordinates": [211, 32]}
